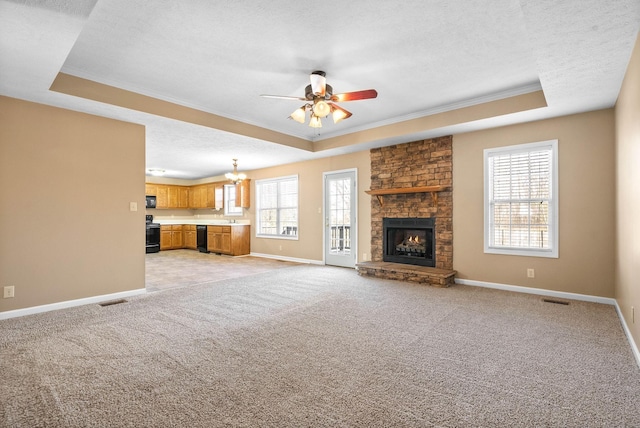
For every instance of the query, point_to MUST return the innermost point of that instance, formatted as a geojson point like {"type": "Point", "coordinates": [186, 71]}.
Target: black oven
{"type": "Point", "coordinates": [153, 235]}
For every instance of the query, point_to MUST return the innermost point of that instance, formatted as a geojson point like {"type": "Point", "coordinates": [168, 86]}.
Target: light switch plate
{"type": "Point", "coordinates": [133, 206]}
{"type": "Point", "coordinates": [9, 292]}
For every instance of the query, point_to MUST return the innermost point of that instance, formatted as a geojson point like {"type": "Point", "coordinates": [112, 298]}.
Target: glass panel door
{"type": "Point", "coordinates": [340, 218]}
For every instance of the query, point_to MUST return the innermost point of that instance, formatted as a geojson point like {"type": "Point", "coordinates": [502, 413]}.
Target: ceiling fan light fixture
{"type": "Point", "coordinates": [321, 108]}
{"type": "Point", "coordinates": [299, 115]}
{"type": "Point", "coordinates": [339, 114]}
{"type": "Point", "coordinates": [318, 83]}
{"type": "Point", "coordinates": [319, 98]}
{"type": "Point", "coordinates": [315, 122]}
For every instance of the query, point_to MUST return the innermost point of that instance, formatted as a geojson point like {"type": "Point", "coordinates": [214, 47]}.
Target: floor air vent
{"type": "Point", "coordinates": [112, 302]}
{"type": "Point", "coordinates": [557, 302]}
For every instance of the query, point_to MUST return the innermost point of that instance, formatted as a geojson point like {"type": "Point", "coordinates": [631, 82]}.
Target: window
{"type": "Point", "coordinates": [521, 200]}
{"type": "Point", "coordinates": [277, 207]}
{"type": "Point", "coordinates": [230, 200]}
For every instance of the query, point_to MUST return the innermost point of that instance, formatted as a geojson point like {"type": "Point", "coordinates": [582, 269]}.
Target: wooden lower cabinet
{"type": "Point", "coordinates": [171, 237]}
{"type": "Point", "coordinates": [190, 237]}
{"type": "Point", "coordinates": [231, 240]}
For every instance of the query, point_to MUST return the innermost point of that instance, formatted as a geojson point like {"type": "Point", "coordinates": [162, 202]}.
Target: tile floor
{"type": "Point", "coordinates": [179, 268]}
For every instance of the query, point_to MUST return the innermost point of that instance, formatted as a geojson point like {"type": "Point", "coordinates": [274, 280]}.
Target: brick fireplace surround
{"type": "Point", "coordinates": [410, 165]}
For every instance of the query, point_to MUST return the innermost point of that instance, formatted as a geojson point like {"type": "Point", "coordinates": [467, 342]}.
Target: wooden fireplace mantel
{"type": "Point", "coordinates": [379, 193]}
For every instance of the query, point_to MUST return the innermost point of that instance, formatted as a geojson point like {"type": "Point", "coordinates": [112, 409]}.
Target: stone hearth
{"type": "Point", "coordinates": [415, 165]}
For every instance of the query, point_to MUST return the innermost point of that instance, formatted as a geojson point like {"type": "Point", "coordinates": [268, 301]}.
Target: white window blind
{"type": "Point", "coordinates": [277, 210]}
{"type": "Point", "coordinates": [521, 200]}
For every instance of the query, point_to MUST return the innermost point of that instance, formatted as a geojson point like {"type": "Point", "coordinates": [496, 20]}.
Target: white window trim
{"type": "Point", "coordinates": [553, 252]}
{"type": "Point", "coordinates": [228, 209]}
{"type": "Point", "coordinates": [285, 237]}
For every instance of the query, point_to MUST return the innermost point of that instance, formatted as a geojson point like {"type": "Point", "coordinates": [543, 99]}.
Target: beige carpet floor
{"type": "Point", "coordinates": [316, 346]}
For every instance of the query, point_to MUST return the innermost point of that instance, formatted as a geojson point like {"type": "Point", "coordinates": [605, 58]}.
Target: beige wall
{"type": "Point", "coordinates": [586, 154]}
{"type": "Point", "coordinates": [628, 195]}
{"type": "Point", "coordinates": [309, 244]}
{"type": "Point", "coordinates": [66, 181]}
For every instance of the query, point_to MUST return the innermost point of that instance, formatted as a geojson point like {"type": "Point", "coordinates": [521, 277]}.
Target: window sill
{"type": "Point", "coordinates": [550, 254]}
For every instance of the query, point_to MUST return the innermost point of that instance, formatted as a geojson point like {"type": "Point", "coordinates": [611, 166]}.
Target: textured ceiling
{"type": "Point", "coordinates": [423, 58]}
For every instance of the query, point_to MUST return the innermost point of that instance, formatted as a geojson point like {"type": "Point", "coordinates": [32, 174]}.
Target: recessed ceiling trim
{"type": "Point", "coordinates": [476, 112]}
{"type": "Point", "coordinates": [72, 71]}
{"type": "Point", "coordinates": [88, 89]}
{"type": "Point", "coordinates": [495, 96]}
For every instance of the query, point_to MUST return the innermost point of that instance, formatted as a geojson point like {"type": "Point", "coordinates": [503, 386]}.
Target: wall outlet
{"type": "Point", "coordinates": [9, 292]}
{"type": "Point", "coordinates": [531, 273]}
{"type": "Point", "coordinates": [280, 247]}
{"type": "Point", "coordinates": [364, 257]}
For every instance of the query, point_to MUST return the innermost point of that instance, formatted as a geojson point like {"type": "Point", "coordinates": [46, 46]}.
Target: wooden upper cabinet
{"type": "Point", "coordinates": [209, 195]}
{"type": "Point", "coordinates": [198, 196]}
{"type": "Point", "coordinates": [162, 196]}
{"type": "Point", "coordinates": [209, 201]}
{"type": "Point", "coordinates": [243, 195]}
{"type": "Point", "coordinates": [173, 196]}
{"type": "Point", "coordinates": [150, 189]}
{"type": "Point", "coordinates": [169, 196]}
{"type": "Point", "coordinates": [183, 197]}
{"type": "Point", "coordinates": [194, 197]}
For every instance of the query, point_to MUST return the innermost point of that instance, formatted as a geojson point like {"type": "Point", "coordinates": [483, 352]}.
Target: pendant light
{"type": "Point", "coordinates": [234, 177]}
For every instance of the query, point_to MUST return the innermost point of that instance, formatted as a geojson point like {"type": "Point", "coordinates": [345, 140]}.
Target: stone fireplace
{"type": "Point", "coordinates": [412, 181]}
{"type": "Point", "coordinates": [409, 240]}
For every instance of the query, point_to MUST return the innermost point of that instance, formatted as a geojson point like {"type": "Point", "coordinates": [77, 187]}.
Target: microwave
{"type": "Point", "coordinates": [150, 202]}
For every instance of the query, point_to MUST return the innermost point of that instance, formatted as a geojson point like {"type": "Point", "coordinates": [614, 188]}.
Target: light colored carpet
{"type": "Point", "coordinates": [320, 346]}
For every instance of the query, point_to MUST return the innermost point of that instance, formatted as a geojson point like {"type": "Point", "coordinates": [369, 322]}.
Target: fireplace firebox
{"type": "Point", "coordinates": [409, 241]}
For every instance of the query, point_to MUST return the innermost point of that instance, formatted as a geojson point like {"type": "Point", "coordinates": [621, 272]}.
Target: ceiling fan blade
{"type": "Point", "coordinates": [354, 96]}
{"type": "Point", "coordinates": [338, 113]}
{"type": "Point", "coordinates": [318, 83]}
{"type": "Point", "coordinates": [283, 97]}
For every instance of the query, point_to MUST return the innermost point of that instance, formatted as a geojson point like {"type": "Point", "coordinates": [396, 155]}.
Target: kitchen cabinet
{"type": "Point", "coordinates": [178, 197]}
{"type": "Point", "coordinates": [202, 196]}
{"type": "Point", "coordinates": [165, 237]}
{"type": "Point", "coordinates": [177, 236]}
{"type": "Point", "coordinates": [173, 196]}
{"type": "Point", "coordinates": [190, 237]}
{"type": "Point", "coordinates": [183, 197]}
{"type": "Point", "coordinates": [243, 195]}
{"type": "Point", "coordinates": [169, 196]}
{"type": "Point", "coordinates": [162, 196]}
{"type": "Point", "coordinates": [171, 237]}
{"type": "Point", "coordinates": [231, 240]}
{"type": "Point", "coordinates": [209, 195]}
{"type": "Point", "coordinates": [150, 189]}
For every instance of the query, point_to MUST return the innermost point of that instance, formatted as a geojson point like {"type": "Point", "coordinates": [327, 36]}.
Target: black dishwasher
{"type": "Point", "coordinates": [201, 232]}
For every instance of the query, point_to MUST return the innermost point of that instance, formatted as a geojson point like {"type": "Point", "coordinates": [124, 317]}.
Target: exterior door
{"type": "Point", "coordinates": [340, 215]}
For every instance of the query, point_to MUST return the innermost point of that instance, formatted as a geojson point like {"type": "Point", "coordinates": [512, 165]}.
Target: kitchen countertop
{"type": "Point", "coordinates": [199, 222]}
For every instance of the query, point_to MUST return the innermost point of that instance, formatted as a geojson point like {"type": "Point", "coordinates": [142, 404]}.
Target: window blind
{"type": "Point", "coordinates": [521, 198]}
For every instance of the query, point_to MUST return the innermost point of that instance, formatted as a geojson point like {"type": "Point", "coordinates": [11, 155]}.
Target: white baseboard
{"type": "Point", "coordinates": [287, 259]}
{"type": "Point", "coordinates": [70, 303]}
{"type": "Point", "coordinates": [634, 347]}
{"type": "Point", "coordinates": [562, 295]}
{"type": "Point", "coordinates": [538, 291]}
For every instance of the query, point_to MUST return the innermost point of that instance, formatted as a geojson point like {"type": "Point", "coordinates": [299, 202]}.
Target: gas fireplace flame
{"type": "Point", "coordinates": [414, 239]}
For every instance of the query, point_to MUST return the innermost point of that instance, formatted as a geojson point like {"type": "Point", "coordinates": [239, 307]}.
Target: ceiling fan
{"type": "Point", "coordinates": [321, 101]}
